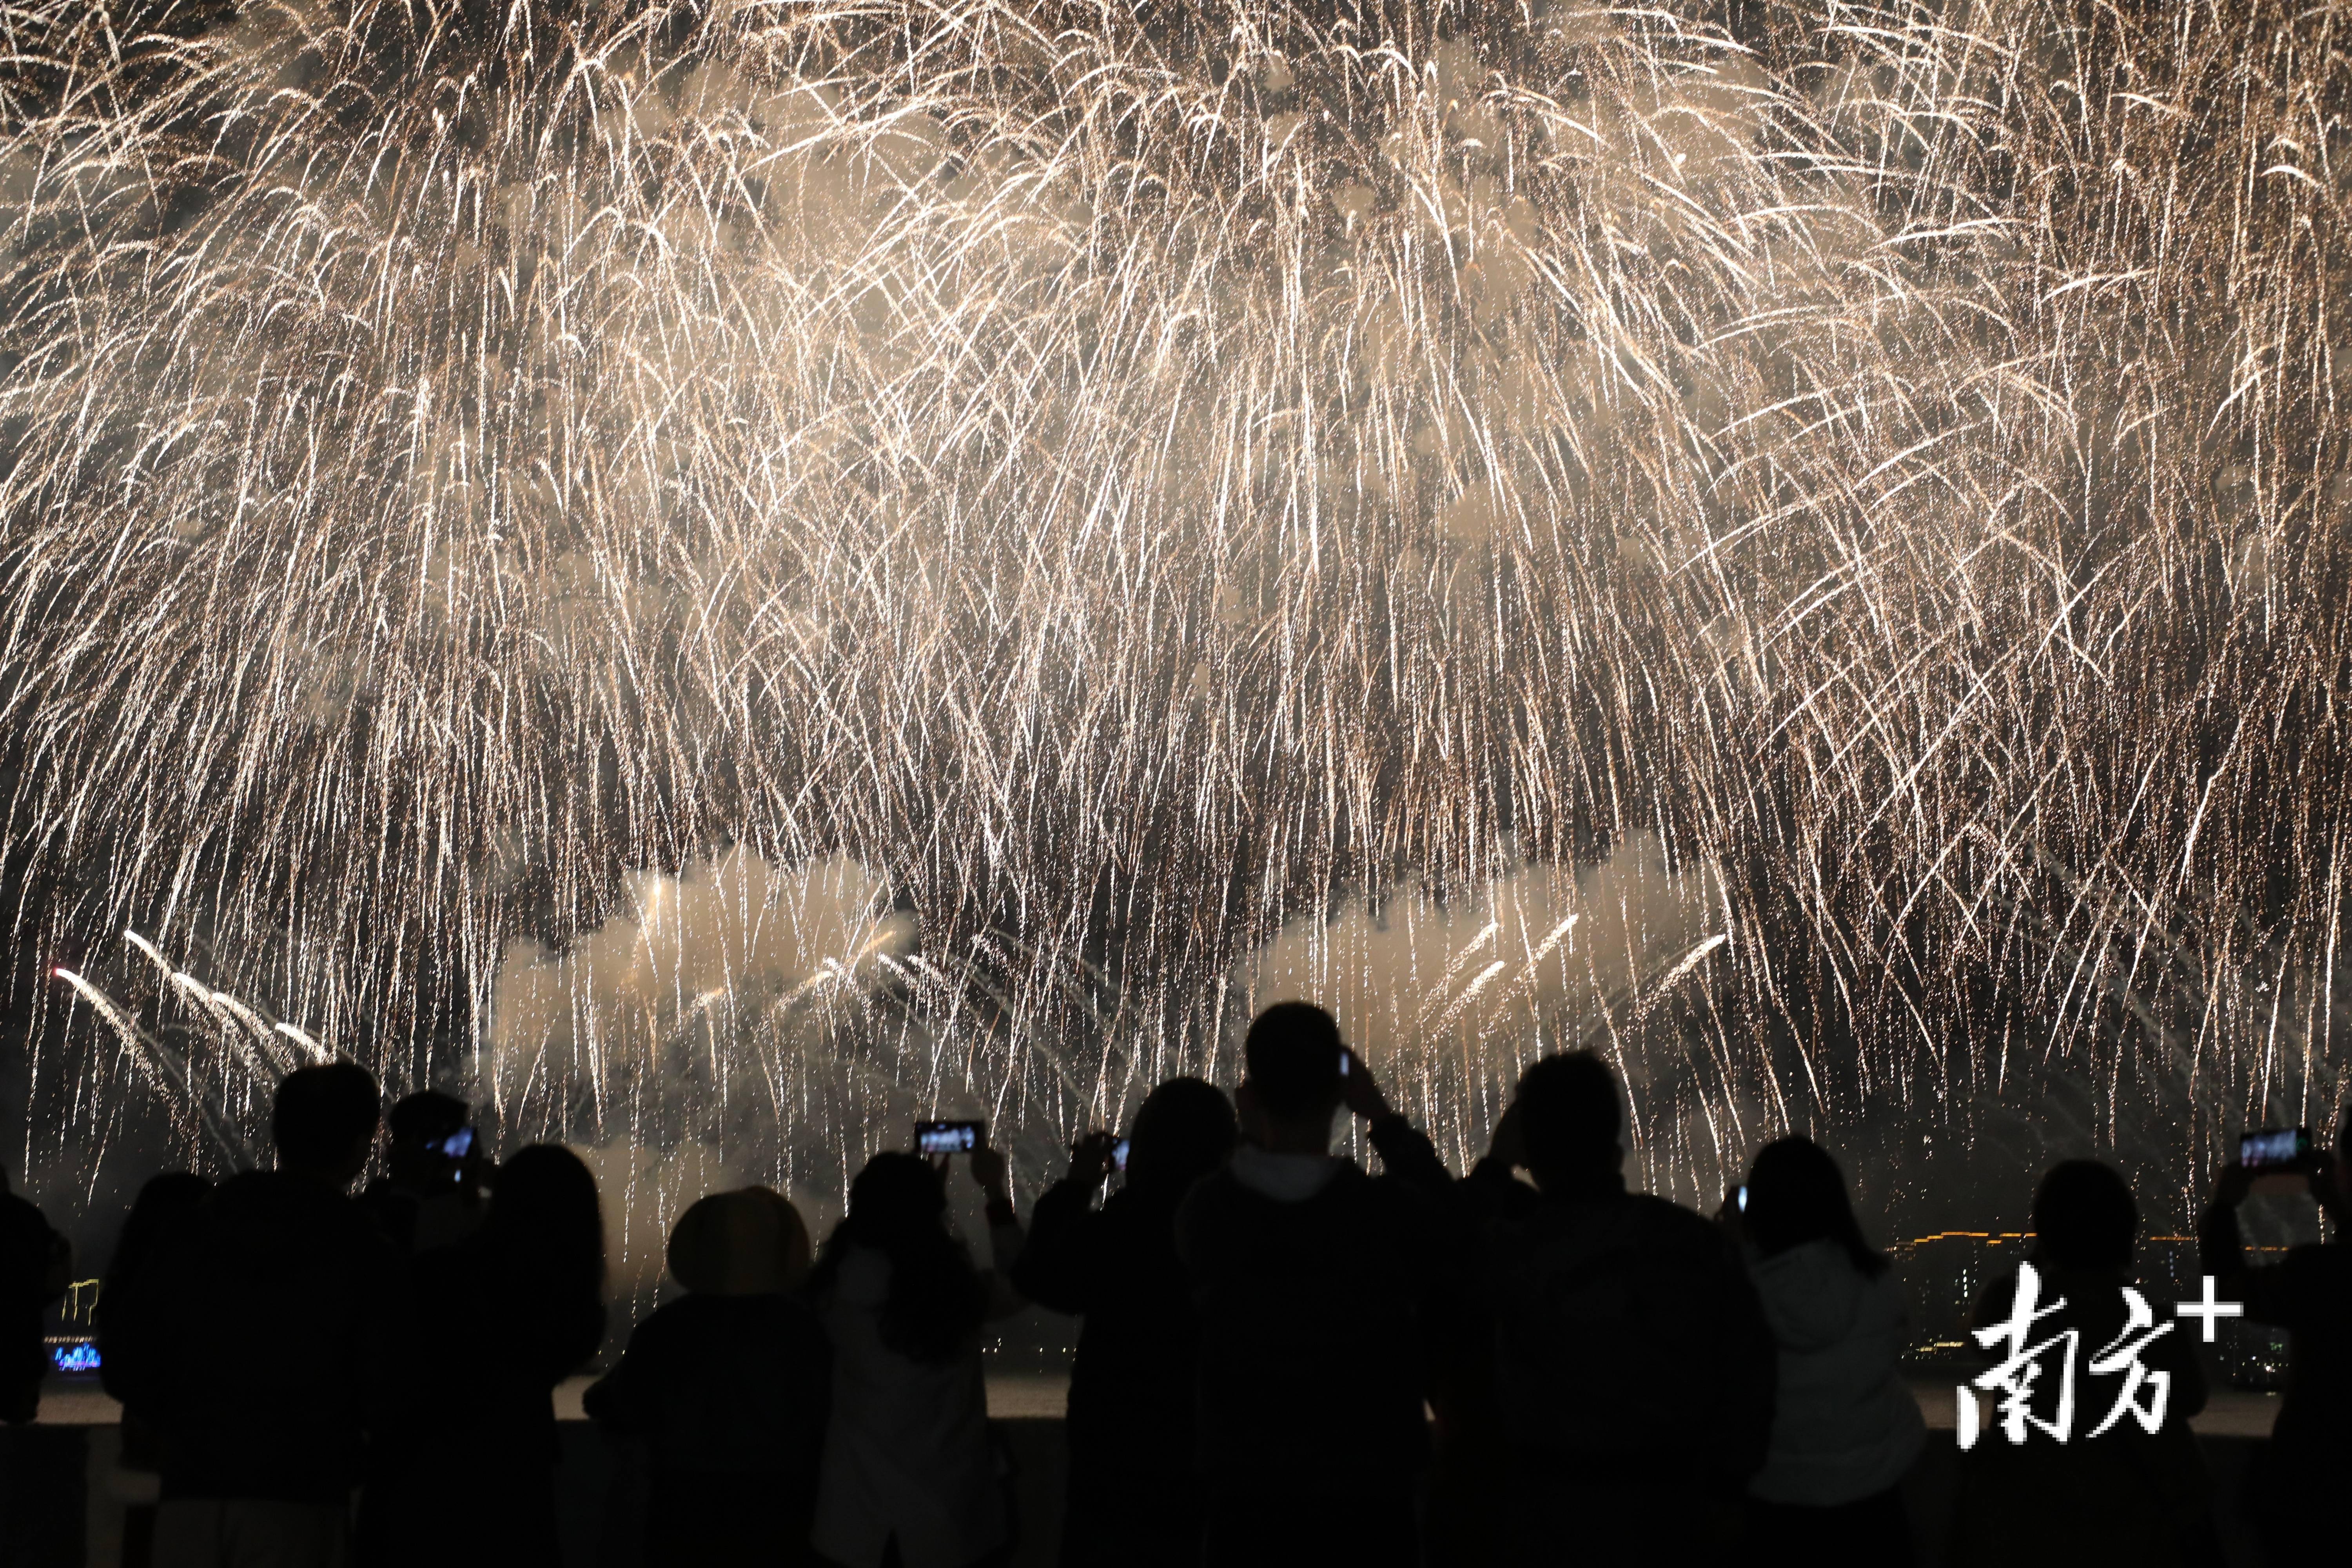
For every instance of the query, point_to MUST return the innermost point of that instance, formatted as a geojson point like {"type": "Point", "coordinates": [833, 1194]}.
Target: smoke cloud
{"type": "Point", "coordinates": [636, 1040]}
{"type": "Point", "coordinates": [1448, 999]}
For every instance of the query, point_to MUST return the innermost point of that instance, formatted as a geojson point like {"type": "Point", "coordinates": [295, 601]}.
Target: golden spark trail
{"type": "Point", "coordinates": [719, 577]}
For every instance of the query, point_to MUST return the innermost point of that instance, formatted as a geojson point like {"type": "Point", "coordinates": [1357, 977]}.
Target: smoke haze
{"type": "Point", "coordinates": [719, 578]}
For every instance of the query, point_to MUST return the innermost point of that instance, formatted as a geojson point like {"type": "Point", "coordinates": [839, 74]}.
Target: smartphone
{"type": "Point", "coordinates": [2274, 1147]}
{"type": "Point", "coordinates": [1740, 1198]}
{"type": "Point", "coordinates": [456, 1146]}
{"type": "Point", "coordinates": [1118, 1156]}
{"type": "Point", "coordinates": [948, 1137]}
{"type": "Point", "coordinates": [1343, 1064]}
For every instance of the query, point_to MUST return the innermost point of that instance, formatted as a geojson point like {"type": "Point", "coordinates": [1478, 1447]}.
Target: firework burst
{"type": "Point", "coordinates": [1153, 504]}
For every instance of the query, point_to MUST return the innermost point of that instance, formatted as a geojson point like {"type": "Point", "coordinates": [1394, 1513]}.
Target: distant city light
{"type": "Point", "coordinates": [74, 1355]}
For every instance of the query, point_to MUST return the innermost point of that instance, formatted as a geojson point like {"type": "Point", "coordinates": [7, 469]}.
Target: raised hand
{"type": "Point", "coordinates": [1090, 1158]}
{"type": "Point", "coordinates": [990, 1170]}
{"type": "Point", "coordinates": [1508, 1146]}
{"type": "Point", "coordinates": [1357, 1090]}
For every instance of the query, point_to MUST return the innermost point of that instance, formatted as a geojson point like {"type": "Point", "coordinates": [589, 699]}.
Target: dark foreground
{"type": "Point", "coordinates": [59, 1509]}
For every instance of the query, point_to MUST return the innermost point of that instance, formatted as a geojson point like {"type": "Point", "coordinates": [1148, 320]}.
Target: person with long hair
{"type": "Point", "coordinates": [1846, 1428]}
{"type": "Point", "coordinates": [503, 1317]}
{"type": "Point", "coordinates": [1130, 1503]}
{"type": "Point", "coordinates": [729, 1388]}
{"type": "Point", "coordinates": [908, 1477]}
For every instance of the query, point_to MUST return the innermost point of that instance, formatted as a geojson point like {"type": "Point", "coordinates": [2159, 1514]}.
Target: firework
{"type": "Point", "coordinates": [1818, 549]}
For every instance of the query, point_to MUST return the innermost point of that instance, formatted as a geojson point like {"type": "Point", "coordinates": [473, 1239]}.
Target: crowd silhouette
{"type": "Point", "coordinates": [1284, 1357]}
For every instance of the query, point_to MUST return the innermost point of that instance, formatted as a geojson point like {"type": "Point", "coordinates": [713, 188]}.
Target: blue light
{"type": "Point", "coordinates": [75, 1355]}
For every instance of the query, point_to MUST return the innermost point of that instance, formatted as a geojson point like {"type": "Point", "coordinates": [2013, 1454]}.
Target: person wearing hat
{"type": "Point", "coordinates": [728, 1387]}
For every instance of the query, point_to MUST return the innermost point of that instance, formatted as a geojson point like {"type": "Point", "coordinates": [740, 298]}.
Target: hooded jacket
{"type": "Point", "coordinates": [1629, 1349]}
{"type": "Point", "coordinates": [1844, 1428]}
{"type": "Point", "coordinates": [1312, 1283]}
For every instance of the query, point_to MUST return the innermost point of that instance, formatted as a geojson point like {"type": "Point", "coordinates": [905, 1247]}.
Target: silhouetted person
{"type": "Point", "coordinates": [1316, 1286]}
{"type": "Point", "coordinates": [1131, 1501]}
{"type": "Point", "coordinates": [2299, 1480]}
{"type": "Point", "coordinates": [267, 1343]}
{"type": "Point", "coordinates": [501, 1318]}
{"type": "Point", "coordinates": [1631, 1368]}
{"type": "Point", "coordinates": [909, 1477]}
{"type": "Point", "coordinates": [729, 1388]}
{"type": "Point", "coordinates": [431, 1192]}
{"type": "Point", "coordinates": [2125, 1494]}
{"type": "Point", "coordinates": [1844, 1427]}
{"type": "Point", "coordinates": [36, 1266]}
{"type": "Point", "coordinates": [160, 1217]}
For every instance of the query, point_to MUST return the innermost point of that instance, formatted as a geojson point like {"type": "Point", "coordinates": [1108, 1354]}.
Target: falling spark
{"type": "Point", "coordinates": [317, 1051]}
{"type": "Point", "coordinates": [997, 516]}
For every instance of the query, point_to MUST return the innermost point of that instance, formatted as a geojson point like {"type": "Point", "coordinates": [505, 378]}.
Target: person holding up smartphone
{"type": "Point", "coordinates": [434, 1192]}
{"type": "Point", "coordinates": [908, 1475]}
{"type": "Point", "coordinates": [36, 1263]}
{"type": "Point", "coordinates": [734, 1455]}
{"type": "Point", "coordinates": [1131, 1501]}
{"type": "Point", "coordinates": [1321, 1292]}
{"type": "Point", "coordinates": [2297, 1488]}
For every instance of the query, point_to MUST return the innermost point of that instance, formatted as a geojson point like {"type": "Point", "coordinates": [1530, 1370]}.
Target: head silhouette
{"type": "Point", "coordinates": [1291, 1057]}
{"type": "Point", "coordinates": [545, 1221]}
{"type": "Point", "coordinates": [425, 1117]}
{"type": "Point", "coordinates": [2084, 1218]}
{"type": "Point", "coordinates": [794, 1250]}
{"type": "Point", "coordinates": [1796, 1195]}
{"type": "Point", "coordinates": [324, 1121]}
{"type": "Point", "coordinates": [751, 1242]}
{"type": "Point", "coordinates": [1184, 1130]}
{"type": "Point", "coordinates": [897, 1198]}
{"type": "Point", "coordinates": [898, 1208]}
{"type": "Point", "coordinates": [1568, 1117]}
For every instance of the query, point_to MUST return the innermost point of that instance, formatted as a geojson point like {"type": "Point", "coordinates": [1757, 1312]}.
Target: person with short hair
{"type": "Point", "coordinates": [2304, 1470]}
{"type": "Point", "coordinates": [1130, 1501]}
{"type": "Point", "coordinates": [2126, 1494]}
{"type": "Point", "coordinates": [270, 1343]}
{"type": "Point", "coordinates": [1632, 1370]}
{"type": "Point", "coordinates": [729, 1388]}
{"type": "Point", "coordinates": [1317, 1288]}
{"type": "Point", "coordinates": [1845, 1429]}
